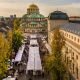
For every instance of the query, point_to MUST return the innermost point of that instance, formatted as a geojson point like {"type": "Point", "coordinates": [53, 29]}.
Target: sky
{"type": "Point", "coordinates": [19, 7]}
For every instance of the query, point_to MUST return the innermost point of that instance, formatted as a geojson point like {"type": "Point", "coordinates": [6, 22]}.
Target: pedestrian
{"type": "Point", "coordinates": [16, 78]}
{"type": "Point", "coordinates": [30, 79]}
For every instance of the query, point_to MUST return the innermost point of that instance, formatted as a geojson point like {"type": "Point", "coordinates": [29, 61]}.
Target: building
{"type": "Point", "coordinates": [6, 23]}
{"type": "Point", "coordinates": [3, 26]}
{"type": "Point", "coordinates": [55, 19]}
{"type": "Point", "coordinates": [74, 19]}
{"type": "Point", "coordinates": [33, 21]}
{"type": "Point", "coordinates": [71, 32]}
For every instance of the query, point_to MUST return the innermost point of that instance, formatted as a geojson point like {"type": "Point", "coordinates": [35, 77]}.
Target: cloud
{"type": "Point", "coordinates": [19, 7]}
{"type": "Point", "coordinates": [72, 9]}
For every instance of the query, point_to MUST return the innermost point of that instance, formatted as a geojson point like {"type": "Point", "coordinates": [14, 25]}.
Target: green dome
{"type": "Point", "coordinates": [25, 16]}
{"type": "Point", "coordinates": [33, 16]}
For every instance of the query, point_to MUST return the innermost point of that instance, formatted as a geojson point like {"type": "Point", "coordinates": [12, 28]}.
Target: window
{"type": "Point", "coordinates": [77, 72]}
{"type": "Point", "coordinates": [66, 50]}
{"type": "Point", "coordinates": [73, 67]}
{"type": "Point", "coordinates": [74, 38]}
{"type": "Point", "coordinates": [73, 55]}
{"type": "Point", "coordinates": [78, 40]}
{"type": "Point", "coordinates": [77, 57]}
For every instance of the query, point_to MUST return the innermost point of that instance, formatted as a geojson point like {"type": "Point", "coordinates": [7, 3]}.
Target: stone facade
{"type": "Point", "coordinates": [71, 51]}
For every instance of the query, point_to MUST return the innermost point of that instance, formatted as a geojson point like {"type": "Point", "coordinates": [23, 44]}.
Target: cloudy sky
{"type": "Point", "coordinates": [19, 7]}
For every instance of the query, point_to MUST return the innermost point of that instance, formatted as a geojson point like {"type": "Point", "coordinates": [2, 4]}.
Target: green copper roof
{"type": "Point", "coordinates": [33, 16]}
{"type": "Point", "coordinates": [33, 23]}
{"type": "Point", "coordinates": [25, 16]}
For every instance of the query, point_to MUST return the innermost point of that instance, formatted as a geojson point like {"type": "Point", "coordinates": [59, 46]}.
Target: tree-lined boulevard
{"type": "Point", "coordinates": [52, 64]}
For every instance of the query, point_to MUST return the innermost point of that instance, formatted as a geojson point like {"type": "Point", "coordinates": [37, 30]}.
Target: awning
{"type": "Point", "coordinates": [34, 61]}
{"type": "Point", "coordinates": [19, 54]}
{"type": "Point", "coordinates": [33, 36]}
{"type": "Point", "coordinates": [9, 78]}
{"type": "Point", "coordinates": [33, 42]}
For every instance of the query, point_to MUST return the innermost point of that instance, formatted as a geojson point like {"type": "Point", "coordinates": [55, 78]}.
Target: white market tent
{"type": "Point", "coordinates": [19, 54]}
{"type": "Point", "coordinates": [9, 78]}
{"type": "Point", "coordinates": [34, 61]}
{"type": "Point", "coordinates": [30, 64]}
{"type": "Point", "coordinates": [33, 36]}
{"type": "Point", "coordinates": [38, 65]}
{"type": "Point", "coordinates": [33, 42]}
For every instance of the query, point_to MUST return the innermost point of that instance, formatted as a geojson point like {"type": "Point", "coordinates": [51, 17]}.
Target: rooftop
{"type": "Point", "coordinates": [72, 27]}
{"type": "Point", "coordinates": [58, 15]}
{"type": "Point", "coordinates": [33, 15]}
{"type": "Point", "coordinates": [33, 6]}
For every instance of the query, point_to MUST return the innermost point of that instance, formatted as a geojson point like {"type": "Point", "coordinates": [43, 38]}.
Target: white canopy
{"type": "Point", "coordinates": [34, 61]}
{"type": "Point", "coordinates": [33, 36]}
{"type": "Point", "coordinates": [9, 78]}
{"type": "Point", "coordinates": [38, 65]}
{"type": "Point", "coordinates": [19, 54]}
{"type": "Point", "coordinates": [33, 42]}
{"type": "Point", "coordinates": [30, 64]}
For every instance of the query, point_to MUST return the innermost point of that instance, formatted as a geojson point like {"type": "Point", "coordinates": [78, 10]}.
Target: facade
{"type": "Point", "coordinates": [71, 32]}
{"type": "Point", "coordinates": [6, 23]}
{"type": "Point", "coordinates": [33, 21]}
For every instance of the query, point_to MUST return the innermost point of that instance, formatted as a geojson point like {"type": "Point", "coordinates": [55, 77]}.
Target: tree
{"type": "Point", "coordinates": [9, 38]}
{"type": "Point", "coordinates": [16, 36]}
{"type": "Point", "coordinates": [16, 24]}
{"type": "Point", "coordinates": [9, 42]}
{"type": "Point", "coordinates": [55, 64]}
{"type": "Point", "coordinates": [4, 55]}
{"type": "Point", "coordinates": [16, 40]}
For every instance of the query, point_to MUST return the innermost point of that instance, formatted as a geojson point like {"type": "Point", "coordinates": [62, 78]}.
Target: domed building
{"type": "Point", "coordinates": [33, 9]}
{"type": "Point", "coordinates": [34, 21]}
{"type": "Point", "coordinates": [71, 32]}
{"type": "Point", "coordinates": [56, 19]}
{"type": "Point", "coordinates": [58, 15]}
